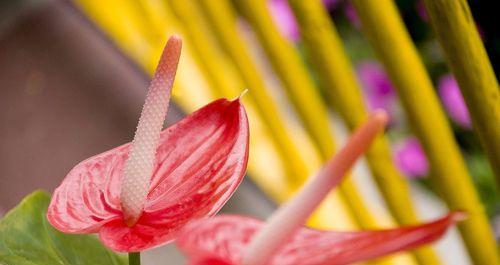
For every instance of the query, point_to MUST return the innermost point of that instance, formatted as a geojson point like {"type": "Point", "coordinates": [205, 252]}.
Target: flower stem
{"type": "Point", "coordinates": [134, 258]}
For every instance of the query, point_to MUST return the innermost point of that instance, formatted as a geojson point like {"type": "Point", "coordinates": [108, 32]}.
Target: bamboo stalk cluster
{"type": "Point", "coordinates": [285, 150]}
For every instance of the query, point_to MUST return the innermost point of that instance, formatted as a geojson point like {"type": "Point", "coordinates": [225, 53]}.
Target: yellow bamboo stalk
{"type": "Point", "coordinates": [385, 30]}
{"type": "Point", "coordinates": [304, 96]}
{"type": "Point", "coordinates": [467, 58]}
{"type": "Point", "coordinates": [190, 13]}
{"type": "Point", "coordinates": [156, 18]}
{"type": "Point", "coordinates": [112, 13]}
{"type": "Point", "coordinates": [217, 76]}
{"type": "Point", "coordinates": [335, 73]}
{"type": "Point", "coordinates": [124, 23]}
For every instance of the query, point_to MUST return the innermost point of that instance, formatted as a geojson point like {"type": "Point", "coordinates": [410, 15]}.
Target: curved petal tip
{"type": "Point", "coordinates": [459, 216]}
{"type": "Point", "coordinates": [381, 116]}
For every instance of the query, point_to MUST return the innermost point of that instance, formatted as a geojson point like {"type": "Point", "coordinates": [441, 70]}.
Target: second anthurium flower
{"type": "Point", "coordinates": [282, 240]}
{"type": "Point", "coordinates": [139, 195]}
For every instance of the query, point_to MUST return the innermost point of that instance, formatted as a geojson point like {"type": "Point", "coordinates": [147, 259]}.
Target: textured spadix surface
{"type": "Point", "coordinates": [199, 163]}
{"type": "Point", "coordinates": [222, 240]}
{"type": "Point", "coordinates": [139, 165]}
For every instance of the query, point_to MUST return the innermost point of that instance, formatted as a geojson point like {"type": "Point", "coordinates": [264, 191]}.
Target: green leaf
{"type": "Point", "coordinates": [27, 238]}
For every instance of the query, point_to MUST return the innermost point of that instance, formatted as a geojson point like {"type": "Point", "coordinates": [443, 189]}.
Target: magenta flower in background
{"type": "Point", "coordinates": [410, 158]}
{"type": "Point", "coordinates": [453, 101]}
{"type": "Point", "coordinates": [351, 15]}
{"type": "Point", "coordinates": [422, 12]}
{"type": "Point", "coordinates": [330, 4]}
{"type": "Point", "coordinates": [285, 19]}
{"type": "Point", "coordinates": [378, 90]}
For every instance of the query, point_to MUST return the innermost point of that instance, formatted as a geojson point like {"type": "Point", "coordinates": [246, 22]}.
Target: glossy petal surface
{"type": "Point", "coordinates": [224, 238]}
{"type": "Point", "coordinates": [200, 161]}
{"type": "Point", "coordinates": [208, 261]}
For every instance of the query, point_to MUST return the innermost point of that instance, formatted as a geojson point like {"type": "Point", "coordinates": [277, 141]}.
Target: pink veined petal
{"type": "Point", "coordinates": [208, 261]}
{"type": "Point", "coordinates": [200, 161]}
{"type": "Point", "coordinates": [224, 238]}
{"type": "Point", "coordinates": [84, 201]}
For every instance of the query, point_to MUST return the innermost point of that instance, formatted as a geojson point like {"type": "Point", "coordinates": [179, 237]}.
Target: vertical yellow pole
{"type": "Point", "coordinates": [467, 58]}
{"type": "Point", "coordinates": [123, 19]}
{"type": "Point", "coordinates": [386, 32]}
{"type": "Point", "coordinates": [296, 169]}
{"type": "Point", "coordinates": [304, 96]}
{"type": "Point", "coordinates": [335, 73]}
{"type": "Point", "coordinates": [215, 67]}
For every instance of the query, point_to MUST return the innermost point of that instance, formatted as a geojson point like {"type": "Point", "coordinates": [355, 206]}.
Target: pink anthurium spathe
{"type": "Point", "coordinates": [139, 195]}
{"type": "Point", "coordinates": [222, 240]}
{"type": "Point", "coordinates": [282, 240]}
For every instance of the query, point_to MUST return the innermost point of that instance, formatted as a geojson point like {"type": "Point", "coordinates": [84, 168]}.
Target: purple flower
{"type": "Point", "coordinates": [330, 4]}
{"type": "Point", "coordinates": [378, 90]}
{"type": "Point", "coordinates": [285, 20]}
{"type": "Point", "coordinates": [422, 12]}
{"type": "Point", "coordinates": [410, 158]}
{"type": "Point", "coordinates": [351, 15]}
{"type": "Point", "coordinates": [453, 101]}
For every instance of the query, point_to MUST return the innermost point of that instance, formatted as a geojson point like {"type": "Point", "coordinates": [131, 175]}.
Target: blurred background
{"type": "Point", "coordinates": [73, 77]}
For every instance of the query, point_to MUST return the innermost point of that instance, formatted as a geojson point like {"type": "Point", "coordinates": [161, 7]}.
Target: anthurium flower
{"type": "Point", "coordinates": [239, 240]}
{"type": "Point", "coordinates": [139, 195]}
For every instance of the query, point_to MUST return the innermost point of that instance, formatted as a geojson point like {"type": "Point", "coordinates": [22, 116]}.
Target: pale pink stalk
{"type": "Point", "coordinates": [287, 219]}
{"type": "Point", "coordinates": [140, 163]}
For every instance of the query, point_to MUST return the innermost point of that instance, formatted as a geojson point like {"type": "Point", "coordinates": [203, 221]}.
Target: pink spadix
{"type": "Point", "coordinates": [282, 225]}
{"type": "Point", "coordinates": [140, 163]}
